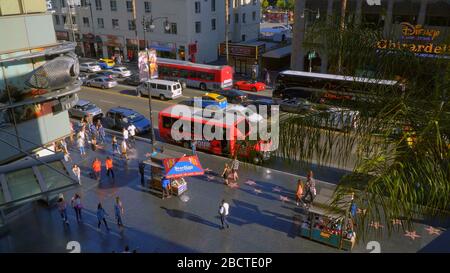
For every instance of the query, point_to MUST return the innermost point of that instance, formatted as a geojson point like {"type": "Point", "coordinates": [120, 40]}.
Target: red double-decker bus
{"type": "Point", "coordinates": [232, 142]}
{"type": "Point", "coordinates": [205, 77]}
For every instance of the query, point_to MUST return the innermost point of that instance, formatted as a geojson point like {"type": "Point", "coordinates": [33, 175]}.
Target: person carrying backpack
{"type": "Point", "coordinates": [223, 213]}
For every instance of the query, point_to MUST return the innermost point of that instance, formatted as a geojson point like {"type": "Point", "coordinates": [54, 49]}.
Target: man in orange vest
{"type": "Point", "coordinates": [97, 168]}
{"type": "Point", "coordinates": [109, 167]}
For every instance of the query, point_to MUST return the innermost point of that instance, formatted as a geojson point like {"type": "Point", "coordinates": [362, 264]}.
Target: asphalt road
{"type": "Point", "coordinates": [123, 95]}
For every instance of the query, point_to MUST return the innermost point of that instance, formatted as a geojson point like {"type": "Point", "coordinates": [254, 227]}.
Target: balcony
{"type": "Point", "coordinates": [71, 27]}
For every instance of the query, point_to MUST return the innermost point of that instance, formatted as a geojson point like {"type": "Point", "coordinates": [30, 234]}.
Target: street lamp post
{"type": "Point", "coordinates": [148, 25]}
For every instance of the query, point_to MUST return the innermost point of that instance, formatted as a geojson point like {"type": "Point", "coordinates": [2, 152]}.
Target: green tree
{"type": "Point", "coordinates": [401, 145]}
{"type": "Point", "coordinates": [265, 4]}
{"type": "Point", "coordinates": [281, 4]}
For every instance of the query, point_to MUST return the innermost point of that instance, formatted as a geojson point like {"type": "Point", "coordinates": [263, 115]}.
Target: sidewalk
{"type": "Point", "coordinates": [263, 216]}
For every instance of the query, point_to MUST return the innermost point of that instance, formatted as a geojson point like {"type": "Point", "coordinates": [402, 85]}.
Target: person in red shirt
{"type": "Point", "coordinates": [97, 168]}
{"type": "Point", "coordinates": [109, 167]}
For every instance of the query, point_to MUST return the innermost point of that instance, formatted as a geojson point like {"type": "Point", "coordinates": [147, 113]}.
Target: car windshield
{"type": "Point", "coordinates": [219, 98]}
{"type": "Point", "coordinates": [87, 107]}
{"type": "Point", "coordinates": [109, 80]}
{"type": "Point", "coordinates": [135, 117]}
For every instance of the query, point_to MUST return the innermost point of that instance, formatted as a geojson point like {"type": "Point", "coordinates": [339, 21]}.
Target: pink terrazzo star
{"type": "Point", "coordinates": [233, 185]}
{"type": "Point", "coordinates": [376, 225]}
{"type": "Point", "coordinates": [276, 189]}
{"type": "Point", "coordinates": [431, 230]}
{"type": "Point", "coordinates": [250, 182]}
{"type": "Point", "coordinates": [209, 177]}
{"type": "Point", "coordinates": [412, 234]}
{"type": "Point", "coordinates": [257, 191]}
{"type": "Point", "coordinates": [284, 198]}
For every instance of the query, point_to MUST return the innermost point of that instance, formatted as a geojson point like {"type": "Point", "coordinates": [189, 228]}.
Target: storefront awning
{"type": "Point", "coordinates": [28, 179]}
{"type": "Point", "coordinates": [162, 48]}
{"type": "Point", "coordinates": [278, 53]}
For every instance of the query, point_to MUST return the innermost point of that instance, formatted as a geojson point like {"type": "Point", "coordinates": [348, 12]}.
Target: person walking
{"type": "Point", "coordinates": [80, 144]}
{"type": "Point", "coordinates": [235, 168]}
{"type": "Point", "coordinates": [94, 143]}
{"type": "Point", "coordinates": [77, 206]}
{"type": "Point", "coordinates": [194, 146]}
{"type": "Point", "coordinates": [310, 188]}
{"type": "Point", "coordinates": [115, 145]}
{"type": "Point", "coordinates": [223, 213]}
{"type": "Point", "coordinates": [72, 134]}
{"type": "Point", "coordinates": [142, 172]}
{"type": "Point", "coordinates": [97, 168]}
{"type": "Point", "coordinates": [165, 187]}
{"type": "Point", "coordinates": [267, 77]}
{"type": "Point", "coordinates": [132, 133]}
{"type": "Point", "coordinates": [109, 167]}
{"type": "Point", "coordinates": [226, 174]}
{"type": "Point", "coordinates": [77, 172]}
{"type": "Point", "coordinates": [62, 208]}
{"type": "Point", "coordinates": [125, 135]}
{"type": "Point", "coordinates": [124, 149]}
{"type": "Point", "coordinates": [118, 211]}
{"type": "Point", "coordinates": [299, 192]}
{"type": "Point", "coordinates": [101, 132]}
{"type": "Point", "coordinates": [101, 216]}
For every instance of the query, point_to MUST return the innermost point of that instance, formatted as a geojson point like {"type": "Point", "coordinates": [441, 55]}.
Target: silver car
{"type": "Point", "coordinates": [89, 67]}
{"type": "Point", "coordinates": [101, 82]}
{"type": "Point", "coordinates": [84, 108]}
{"type": "Point", "coordinates": [296, 105]}
{"type": "Point", "coordinates": [121, 71]}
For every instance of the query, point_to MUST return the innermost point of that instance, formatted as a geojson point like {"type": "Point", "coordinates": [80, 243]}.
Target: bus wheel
{"type": "Point", "coordinates": [256, 160]}
{"type": "Point", "coordinates": [203, 87]}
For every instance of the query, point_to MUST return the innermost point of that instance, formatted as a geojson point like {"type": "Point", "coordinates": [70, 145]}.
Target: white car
{"type": "Point", "coordinates": [121, 71]}
{"type": "Point", "coordinates": [89, 67]}
{"type": "Point", "coordinates": [101, 82]}
{"type": "Point", "coordinates": [245, 111]}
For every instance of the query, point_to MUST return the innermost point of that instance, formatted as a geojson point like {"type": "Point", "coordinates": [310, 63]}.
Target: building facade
{"type": "Point", "coordinates": [403, 23]}
{"type": "Point", "coordinates": [195, 28]}
{"type": "Point", "coordinates": [38, 84]}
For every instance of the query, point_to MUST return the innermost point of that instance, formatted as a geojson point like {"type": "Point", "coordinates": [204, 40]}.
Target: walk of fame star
{"type": "Point", "coordinates": [431, 230]}
{"type": "Point", "coordinates": [284, 198]}
{"type": "Point", "coordinates": [276, 189]}
{"type": "Point", "coordinates": [412, 235]}
{"type": "Point", "coordinates": [250, 182]}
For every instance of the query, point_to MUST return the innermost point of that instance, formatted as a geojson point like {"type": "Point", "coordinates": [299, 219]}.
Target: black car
{"type": "Point", "coordinates": [133, 80]}
{"type": "Point", "coordinates": [259, 106]}
{"type": "Point", "coordinates": [233, 95]}
{"type": "Point", "coordinates": [107, 74]}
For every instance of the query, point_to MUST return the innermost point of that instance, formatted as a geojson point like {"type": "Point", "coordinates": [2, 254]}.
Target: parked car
{"type": "Point", "coordinates": [132, 80]}
{"type": "Point", "coordinates": [160, 88]}
{"type": "Point", "coordinates": [90, 67]}
{"type": "Point", "coordinates": [121, 71]}
{"type": "Point", "coordinates": [101, 82]}
{"type": "Point", "coordinates": [254, 86]}
{"type": "Point", "coordinates": [107, 74]}
{"type": "Point", "coordinates": [233, 95]}
{"type": "Point", "coordinates": [84, 108]}
{"type": "Point", "coordinates": [265, 105]}
{"type": "Point", "coordinates": [296, 105]}
{"type": "Point", "coordinates": [106, 63]}
{"type": "Point", "coordinates": [118, 118]}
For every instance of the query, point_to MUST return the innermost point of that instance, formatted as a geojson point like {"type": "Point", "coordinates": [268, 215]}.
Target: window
{"type": "Point", "coordinates": [243, 18]}
{"type": "Point", "coordinates": [63, 3]}
{"type": "Point", "coordinates": [197, 7]}
{"type": "Point", "coordinates": [131, 25]}
{"type": "Point", "coordinates": [213, 24]}
{"type": "Point", "coordinates": [100, 23]}
{"type": "Point", "coordinates": [254, 16]}
{"type": "Point", "coordinates": [236, 3]}
{"type": "Point", "coordinates": [236, 18]}
{"type": "Point", "coordinates": [84, 3]}
{"type": "Point", "coordinates": [198, 27]}
{"type": "Point", "coordinates": [56, 17]}
{"type": "Point", "coordinates": [64, 19]}
{"type": "Point", "coordinates": [213, 5]}
{"type": "Point", "coordinates": [148, 7]}
{"type": "Point", "coordinates": [172, 29]}
{"type": "Point", "coordinates": [74, 20]}
{"type": "Point", "coordinates": [85, 22]}
{"type": "Point", "coordinates": [243, 38]}
{"type": "Point", "coordinates": [129, 6]}
{"type": "Point", "coordinates": [115, 23]}
{"type": "Point", "coordinates": [98, 4]}
{"type": "Point", "coordinates": [161, 86]}
{"type": "Point", "coordinates": [229, 18]}
{"type": "Point", "coordinates": [113, 4]}
{"type": "Point", "coordinates": [255, 2]}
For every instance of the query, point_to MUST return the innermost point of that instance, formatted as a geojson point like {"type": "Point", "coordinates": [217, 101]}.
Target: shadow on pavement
{"type": "Point", "coordinates": [189, 216]}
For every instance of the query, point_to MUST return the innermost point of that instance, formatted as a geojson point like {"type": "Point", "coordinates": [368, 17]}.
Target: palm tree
{"type": "Point", "coordinates": [401, 145]}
